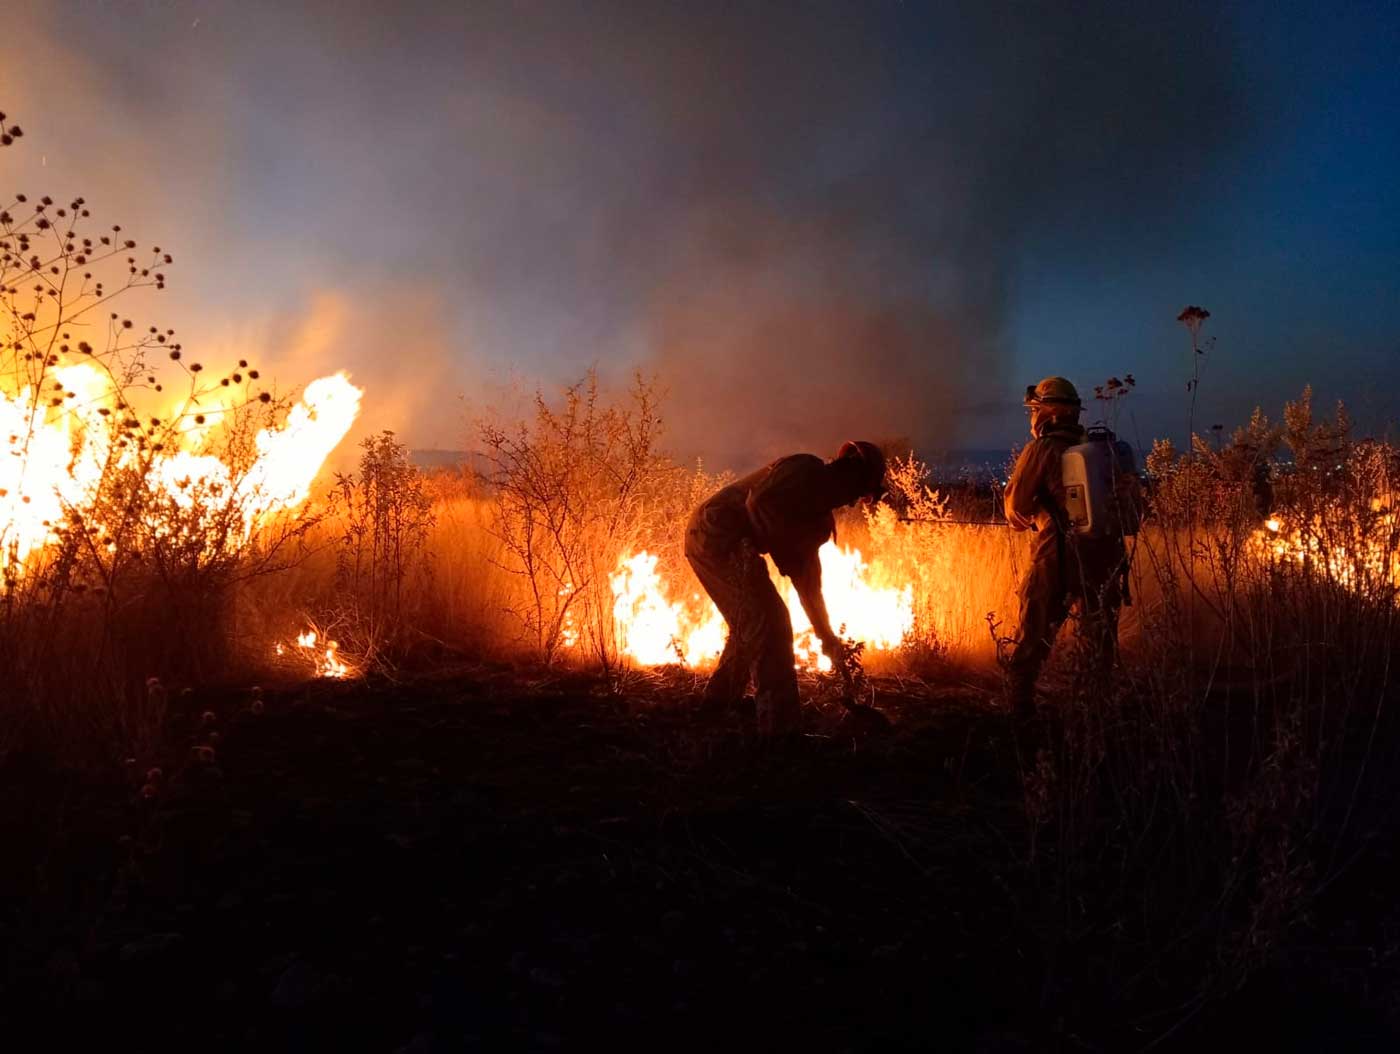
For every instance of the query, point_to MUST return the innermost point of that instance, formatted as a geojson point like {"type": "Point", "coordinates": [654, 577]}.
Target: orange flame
{"type": "Point", "coordinates": [1342, 552]}
{"type": "Point", "coordinates": [58, 457]}
{"type": "Point", "coordinates": [326, 662]}
{"type": "Point", "coordinates": [55, 458]}
{"type": "Point", "coordinates": [653, 629]}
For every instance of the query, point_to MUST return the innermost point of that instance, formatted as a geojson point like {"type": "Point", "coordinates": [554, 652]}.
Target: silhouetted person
{"type": "Point", "coordinates": [783, 510]}
{"type": "Point", "coordinates": [1067, 570]}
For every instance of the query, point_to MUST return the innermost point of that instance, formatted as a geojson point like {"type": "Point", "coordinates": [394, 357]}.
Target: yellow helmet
{"type": "Point", "coordinates": [1052, 391]}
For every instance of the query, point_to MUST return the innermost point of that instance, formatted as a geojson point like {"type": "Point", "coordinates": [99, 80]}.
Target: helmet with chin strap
{"type": "Point", "coordinates": [1053, 399]}
{"type": "Point", "coordinates": [872, 464]}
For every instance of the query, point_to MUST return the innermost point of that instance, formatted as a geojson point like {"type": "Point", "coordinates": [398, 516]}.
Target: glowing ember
{"type": "Point", "coordinates": [325, 660]}
{"type": "Point", "coordinates": [568, 632]}
{"type": "Point", "coordinates": [655, 630]}
{"type": "Point", "coordinates": [1356, 557]}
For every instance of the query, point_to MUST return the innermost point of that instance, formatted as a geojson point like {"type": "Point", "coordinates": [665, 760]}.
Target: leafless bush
{"type": "Point", "coordinates": [116, 553]}
{"type": "Point", "coordinates": [386, 521]}
{"type": "Point", "coordinates": [575, 487]}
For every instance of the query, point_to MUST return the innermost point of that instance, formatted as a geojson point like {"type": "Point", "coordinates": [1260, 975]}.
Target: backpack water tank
{"type": "Point", "coordinates": [1101, 486]}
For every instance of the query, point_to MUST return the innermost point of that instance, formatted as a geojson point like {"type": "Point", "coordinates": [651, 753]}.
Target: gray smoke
{"type": "Point", "coordinates": [846, 262]}
{"type": "Point", "coordinates": [805, 217]}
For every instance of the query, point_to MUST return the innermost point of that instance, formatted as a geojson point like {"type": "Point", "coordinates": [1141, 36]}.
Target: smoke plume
{"type": "Point", "coordinates": [805, 218]}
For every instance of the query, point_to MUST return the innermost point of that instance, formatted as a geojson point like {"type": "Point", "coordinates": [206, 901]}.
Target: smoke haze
{"type": "Point", "coordinates": [812, 220]}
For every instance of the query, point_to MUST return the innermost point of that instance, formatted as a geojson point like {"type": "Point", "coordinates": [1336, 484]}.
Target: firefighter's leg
{"type": "Point", "coordinates": [730, 679]}
{"type": "Point", "coordinates": [721, 576]}
{"type": "Point", "coordinates": [1042, 614]}
{"type": "Point", "coordinates": [1100, 601]}
{"type": "Point", "coordinates": [1108, 605]}
{"type": "Point", "coordinates": [778, 704]}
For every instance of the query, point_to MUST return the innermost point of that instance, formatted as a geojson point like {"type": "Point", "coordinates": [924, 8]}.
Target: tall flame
{"type": "Point", "coordinates": [655, 631]}
{"type": "Point", "coordinates": [290, 457]}
{"type": "Point", "coordinates": [57, 456]}
{"type": "Point", "coordinates": [881, 616]}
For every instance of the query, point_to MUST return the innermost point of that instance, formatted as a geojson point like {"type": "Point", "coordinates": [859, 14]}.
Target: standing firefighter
{"type": "Point", "coordinates": [1068, 569]}
{"type": "Point", "coordinates": [784, 510]}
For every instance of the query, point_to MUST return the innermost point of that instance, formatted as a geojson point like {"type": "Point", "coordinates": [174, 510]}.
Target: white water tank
{"type": "Point", "coordinates": [1097, 501]}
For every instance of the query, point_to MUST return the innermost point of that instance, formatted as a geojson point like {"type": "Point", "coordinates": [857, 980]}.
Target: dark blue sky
{"type": "Point", "coordinates": [812, 220]}
{"type": "Point", "coordinates": [1293, 241]}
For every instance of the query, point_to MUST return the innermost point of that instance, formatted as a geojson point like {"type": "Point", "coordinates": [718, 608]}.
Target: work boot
{"type": "Point", "coordinates": [778, 713]}
{"type": "Point", "coordinates": [715, 705]}
{"type": "Point", "coordinates": [1020, 699]}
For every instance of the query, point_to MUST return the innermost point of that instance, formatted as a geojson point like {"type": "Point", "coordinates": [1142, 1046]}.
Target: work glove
{"type": "Point", "coordinates": [842, 665]}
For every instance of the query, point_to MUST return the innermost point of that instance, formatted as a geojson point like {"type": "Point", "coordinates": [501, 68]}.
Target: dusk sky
{"type": "Point", "coordinates": [813, 221]}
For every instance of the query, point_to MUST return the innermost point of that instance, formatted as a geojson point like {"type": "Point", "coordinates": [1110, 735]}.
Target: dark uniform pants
{"type": "Point", "coordinates": [1084, 575]}
{"type": "Point", "coordinates": [759, 644]}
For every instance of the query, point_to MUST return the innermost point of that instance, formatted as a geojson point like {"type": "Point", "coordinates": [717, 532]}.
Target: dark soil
{"type": "Point", "coordinates": [491, 860]}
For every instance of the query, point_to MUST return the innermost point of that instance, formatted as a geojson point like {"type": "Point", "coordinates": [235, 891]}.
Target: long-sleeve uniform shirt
{"type": "Point", "coordinates": [1035, 495]}
{"type": "Point", "coordinates": [785, 510]}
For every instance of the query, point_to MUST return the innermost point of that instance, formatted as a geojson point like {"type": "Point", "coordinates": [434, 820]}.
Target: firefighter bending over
{"type": "Point", "coordinates": [783, 510]}
{"type": "Point", "coordinates": [1068, 570]}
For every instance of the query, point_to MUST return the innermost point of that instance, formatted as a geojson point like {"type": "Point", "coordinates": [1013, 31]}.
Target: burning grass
{"type": "Point", "coordinates": [1173, 824]}
{"type": "Point", "coordinates": [137, 488]}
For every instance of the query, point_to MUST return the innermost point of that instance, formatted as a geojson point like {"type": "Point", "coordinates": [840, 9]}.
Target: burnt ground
{"type": "Point", "coordinates": [490, 859]}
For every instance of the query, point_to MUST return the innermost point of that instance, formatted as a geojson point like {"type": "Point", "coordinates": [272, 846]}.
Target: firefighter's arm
{"type": "Point", "coordinates": [1021, 500]}
{"type": "Point", "coordinates": [806, 578]}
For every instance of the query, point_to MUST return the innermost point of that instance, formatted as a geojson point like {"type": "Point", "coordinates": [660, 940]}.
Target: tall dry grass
{"type": "Point", "coordinates": [1185, 808]}
{"type": "Point", "coordinates": [470, 592]}
{"type": "Point", "coordinates": [1185, 812]}
{"type": "Point", "coordinates": [1182, 812]}
{"type": "Point", "coordinates": [961, 571]}
{"type": "Point", "coordinates": [516, 562]}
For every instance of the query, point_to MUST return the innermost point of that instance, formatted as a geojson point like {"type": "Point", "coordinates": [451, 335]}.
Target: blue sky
{"type": "Point", "coordinates": [1293, 243]}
